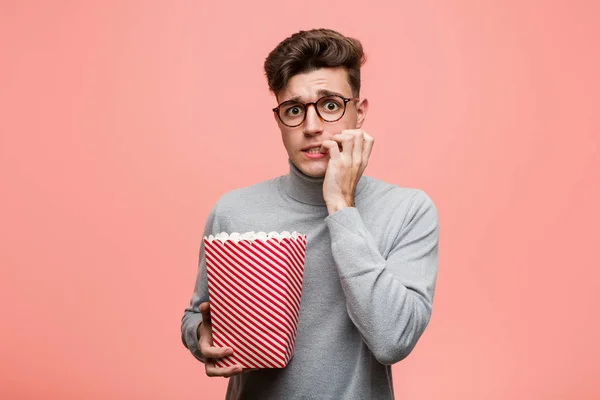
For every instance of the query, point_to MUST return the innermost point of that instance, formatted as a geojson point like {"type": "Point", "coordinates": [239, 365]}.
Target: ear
{"type": "Point", "coordinates": [361, 112]}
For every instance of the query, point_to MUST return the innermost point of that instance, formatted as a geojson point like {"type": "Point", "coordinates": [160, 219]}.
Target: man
{"type": "Point", "coordinates": [371, 257]}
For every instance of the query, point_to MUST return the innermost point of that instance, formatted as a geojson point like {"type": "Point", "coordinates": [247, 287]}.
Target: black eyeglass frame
{"type": "Point", "coordinates": [314, 104]}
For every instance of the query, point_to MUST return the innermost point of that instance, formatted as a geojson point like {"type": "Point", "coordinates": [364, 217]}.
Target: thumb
{"type": "Point", "coordinates": [205, 310]}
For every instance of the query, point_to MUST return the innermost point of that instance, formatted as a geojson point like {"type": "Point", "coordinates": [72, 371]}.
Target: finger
{"type": "Point", "coordinates": [215, 352]}
{"type": "Point", "coordinates": [212, 370]}
{"type": "Point", "coordinates": [347, 141]}
{"type": "Point", "coordinates": [332, 147]}
{"type": "Point", "coordinates": [367, 148]}
{"type": "Point", "coordinates": [205, 310]}
{"type": "Point", "coordinates": [357, 156]}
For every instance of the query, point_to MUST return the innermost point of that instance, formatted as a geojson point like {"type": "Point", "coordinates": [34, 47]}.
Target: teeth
{"type": "Point", "coordinates": [314, 150]}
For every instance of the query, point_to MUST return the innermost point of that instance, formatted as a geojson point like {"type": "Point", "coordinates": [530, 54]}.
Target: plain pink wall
{"type": "Point", "coordinates": [122, 122]}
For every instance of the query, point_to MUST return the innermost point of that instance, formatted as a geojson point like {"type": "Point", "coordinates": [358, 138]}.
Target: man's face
{"type": "Point", "coordinates": [308, 87]}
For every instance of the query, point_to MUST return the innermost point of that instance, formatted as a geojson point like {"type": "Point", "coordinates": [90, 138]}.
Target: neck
{"type": "Point", "coordinates": [307, 189]}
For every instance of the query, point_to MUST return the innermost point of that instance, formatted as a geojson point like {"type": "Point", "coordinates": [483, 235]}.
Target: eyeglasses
{"type": "Point", "coordinates": [329, 108]}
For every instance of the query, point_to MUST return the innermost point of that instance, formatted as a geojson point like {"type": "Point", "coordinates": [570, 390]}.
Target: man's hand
{"type": "Point", "coordinates": [210, 352]}
{"type": "Point", "coordinates": [345, 167]}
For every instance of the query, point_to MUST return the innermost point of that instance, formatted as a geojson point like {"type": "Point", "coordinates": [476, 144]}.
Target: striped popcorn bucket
{"type": "Point", "coordinates": [255, 286]}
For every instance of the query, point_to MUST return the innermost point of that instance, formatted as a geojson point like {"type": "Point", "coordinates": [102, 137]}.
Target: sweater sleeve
{"type": "Point", "coordinates": [192, 317]}
{"type": "Point", "coordinates": [389, 300]}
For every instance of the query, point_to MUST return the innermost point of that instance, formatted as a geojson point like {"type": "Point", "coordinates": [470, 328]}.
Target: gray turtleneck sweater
{"type": "Point", "coordinates": [368, 286]}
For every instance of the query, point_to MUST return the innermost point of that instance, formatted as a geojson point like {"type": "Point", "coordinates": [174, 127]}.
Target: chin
{"type": "Point", "coordinates": [314, 169]}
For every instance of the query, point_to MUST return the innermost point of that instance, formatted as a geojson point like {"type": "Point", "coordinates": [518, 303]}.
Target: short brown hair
{"type": "Point", "coordinates": [306, 51]}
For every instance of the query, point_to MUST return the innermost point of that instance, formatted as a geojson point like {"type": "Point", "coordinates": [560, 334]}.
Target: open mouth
{"type": "Point", "coordinates": [315, 150]}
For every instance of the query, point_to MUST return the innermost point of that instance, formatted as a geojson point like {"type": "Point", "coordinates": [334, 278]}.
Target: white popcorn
{"type": "Point", "coordinates": [251, 236]}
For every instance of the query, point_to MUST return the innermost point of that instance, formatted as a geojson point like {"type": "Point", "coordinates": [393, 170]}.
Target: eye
{"type": "Point", "coordinates": [293, 111]}
{"type": "Point", "coordinates": [331, 105]}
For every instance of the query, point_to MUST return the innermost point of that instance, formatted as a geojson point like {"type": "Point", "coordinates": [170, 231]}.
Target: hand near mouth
{"type": "Point", "coordinates": [349, 153]}
{"type": "Point", "coordinates": [325, 150]}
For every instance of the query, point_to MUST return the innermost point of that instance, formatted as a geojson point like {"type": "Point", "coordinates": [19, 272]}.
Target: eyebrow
{"type": "Point", "coordinates": [320, 92]}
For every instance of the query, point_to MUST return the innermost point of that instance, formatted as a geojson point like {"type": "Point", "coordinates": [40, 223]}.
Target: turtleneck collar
{"type": "Point", "coordinates": [307, 189]}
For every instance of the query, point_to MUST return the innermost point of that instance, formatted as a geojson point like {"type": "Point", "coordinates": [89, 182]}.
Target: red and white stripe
{"type": "Point", "coordinates": [254, 291]}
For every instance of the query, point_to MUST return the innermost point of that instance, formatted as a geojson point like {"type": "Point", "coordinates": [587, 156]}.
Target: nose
{"type": "Point", "coordinates": [312, 123]}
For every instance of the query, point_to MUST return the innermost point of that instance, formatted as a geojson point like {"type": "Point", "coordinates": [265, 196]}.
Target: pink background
{"type": "Point", "coordinates": [122, 122]}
